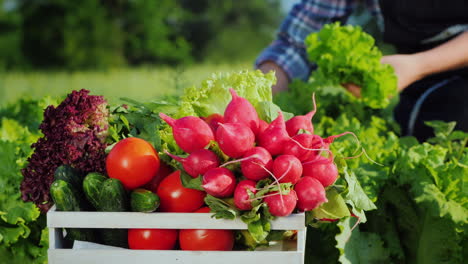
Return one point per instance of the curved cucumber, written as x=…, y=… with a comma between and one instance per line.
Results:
x=113, y=198
x=70, y=175
x=66, y=199
x=92, y=186
x=144, y=201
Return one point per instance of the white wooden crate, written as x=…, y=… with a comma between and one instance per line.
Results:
x=57, y=254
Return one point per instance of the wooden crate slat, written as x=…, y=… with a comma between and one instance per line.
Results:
x=97, y=256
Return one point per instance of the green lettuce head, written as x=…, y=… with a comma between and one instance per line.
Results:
x=212, y=96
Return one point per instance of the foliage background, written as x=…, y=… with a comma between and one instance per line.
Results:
x=92, y=34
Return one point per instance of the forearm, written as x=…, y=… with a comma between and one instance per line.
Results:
x=448, y=56
x=287, y=54
x=282, y=79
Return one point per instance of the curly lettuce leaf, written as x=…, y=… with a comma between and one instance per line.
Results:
x=346, y=54
x=20, y=227
x=212, y=96
x=437, y=179
x=356, y=246
x=335, y=208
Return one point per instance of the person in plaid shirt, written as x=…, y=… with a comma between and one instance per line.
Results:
x=431, y=38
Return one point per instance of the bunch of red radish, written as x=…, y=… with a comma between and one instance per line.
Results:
x=286, y=152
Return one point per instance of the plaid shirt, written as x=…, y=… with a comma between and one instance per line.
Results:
x=288, y=50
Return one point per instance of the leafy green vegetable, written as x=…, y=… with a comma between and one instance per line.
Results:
x=359, y=247
x=356, y=196
x=268, y=111
x=212, y=96
x=258, y=221
x=22, y=228
x=189, y=182
x=345, y=54
x=221, y=208
x=136, y=120
x=335, y=208
x=420, y=192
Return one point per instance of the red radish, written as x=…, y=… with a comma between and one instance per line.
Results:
x=240, y=110
x=296, y=123
x=281, y=205
x=275, y=136
x=322, y=169
x=287, y=168
x=198, y=162
x=310, y=194
x=262, y=125
x=213, y=121
x=304, y=146
x=241, y=196
x=254, y=168
x=235, y=139
x=190, y=133
x=219, y=182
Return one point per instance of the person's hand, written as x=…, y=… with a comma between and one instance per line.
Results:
x=353, y=89
x=282, y=79
x=407, y=69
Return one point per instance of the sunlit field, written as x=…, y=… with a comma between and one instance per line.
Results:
x=140, y=83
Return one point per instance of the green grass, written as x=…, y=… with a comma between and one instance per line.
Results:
x=140, y=83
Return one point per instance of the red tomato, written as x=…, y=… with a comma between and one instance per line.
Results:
x=205, y=209
x=176, y=198
x=206, y=239
x=159, y=239
x=163, y=172
x=133, y=161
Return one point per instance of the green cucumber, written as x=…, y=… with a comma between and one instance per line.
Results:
x=70, y=175
x=66, y=199
x=144, y=201
x=113, y=198
x=92, y=186
x=115, y=237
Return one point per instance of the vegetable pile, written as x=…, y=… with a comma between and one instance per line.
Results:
x=226, y=169
x=254, y=169
x=236, y=160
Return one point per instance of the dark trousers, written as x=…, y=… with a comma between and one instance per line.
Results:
x=440, y=97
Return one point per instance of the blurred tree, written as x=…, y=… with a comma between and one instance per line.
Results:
x=106, y=33
x=10, y=36
x=70, y=34
x=231, y=29
x=152, y=31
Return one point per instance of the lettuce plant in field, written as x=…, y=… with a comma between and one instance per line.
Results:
x=422, y=206
x=23, y=235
